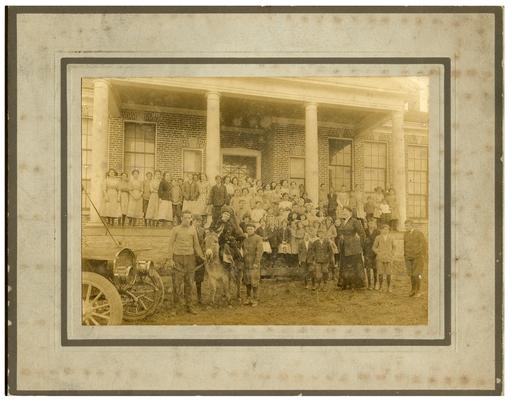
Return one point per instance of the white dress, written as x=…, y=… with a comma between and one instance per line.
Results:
x=202, y=199
x=135, y=203
x=153, y=206
x=111, y=208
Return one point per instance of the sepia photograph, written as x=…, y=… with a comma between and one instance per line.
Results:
x=239, y=201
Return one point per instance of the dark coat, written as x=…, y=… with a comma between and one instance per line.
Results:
x=218, y=195
x=415, y=244
x=252, y=250
x=353, y=236
x=285, y=234
x=273, y=237
x=332, y=202
x=369, y=242
x=320, y=252
x=164, y=190
x=303, y=251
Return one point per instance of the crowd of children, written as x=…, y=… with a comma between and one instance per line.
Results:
x=345, y=237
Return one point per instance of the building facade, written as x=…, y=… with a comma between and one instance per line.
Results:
x=335, y=131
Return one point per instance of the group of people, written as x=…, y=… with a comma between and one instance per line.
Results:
x=345, y=238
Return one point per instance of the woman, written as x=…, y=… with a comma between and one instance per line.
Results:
x=284, y=186
x=203, y=188
x=186, y=193
x=151, y=215
x=267, y=196
x=111, y=209
x=124, y=196
x=135, y=203
x=293, y=191
x=165, y=212
x=229, y=186
x=194, y=194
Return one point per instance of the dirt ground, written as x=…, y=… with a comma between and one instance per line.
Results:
x=289, y=303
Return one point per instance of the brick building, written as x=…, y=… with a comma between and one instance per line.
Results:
x=337, y=131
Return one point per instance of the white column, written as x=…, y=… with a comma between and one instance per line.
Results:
x=311, y=153
x=398, y=165
x=99, y=146
x=212, y=149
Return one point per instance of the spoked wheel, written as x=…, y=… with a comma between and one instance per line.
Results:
x=142, y=298
x=101, y=303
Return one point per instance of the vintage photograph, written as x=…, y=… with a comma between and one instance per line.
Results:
x=255, y=201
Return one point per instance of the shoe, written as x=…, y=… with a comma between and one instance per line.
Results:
x=314, y=287
x=190, y=310
x=247, y=302
x=412, y=293
x=389, y=290
x=370, y=288
x=377, y=286
x=307, y=286
x=419, y=294
x=254, y=303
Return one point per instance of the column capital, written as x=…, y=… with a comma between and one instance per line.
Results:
x=310, y=105
x=213, y=95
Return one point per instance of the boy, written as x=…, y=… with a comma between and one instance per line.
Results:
x=369, y=255
x=320, y=256
x=384, y=248
x=200, y=271
x=415, y=250
x=303, y=247
x=252, y=254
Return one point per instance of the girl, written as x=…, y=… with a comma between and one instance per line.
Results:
x=293, y=191
x=124, y=196
x=273, y=237
x=245, y=195
x=267, y=196
x=151, y=214
x=235, y=200
x=111, y=210
x=229, y=186
x=186, y=193
x=285, y=186
x=194, y=194
x=135, y=203
x=165, y=211
x=385, y=212
x=203, y=189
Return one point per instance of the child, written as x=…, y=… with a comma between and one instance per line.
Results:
x=273, y=237
x=262, y=232
x=294, y=240
x=252, y=254
x=293, y=191
x=244, y=222
x=415, y=251
x=385, y=212
x=303, y=247
x=370, y=208
x=369, y=255
x=331, y=235
x=384, y=248
x=258, y=212
x=285, y=236
x=243, y=209
x=320, y=257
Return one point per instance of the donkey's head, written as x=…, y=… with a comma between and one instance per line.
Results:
x=212, y=247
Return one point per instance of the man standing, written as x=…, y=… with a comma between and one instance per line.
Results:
x=183, y=249
x=252, y=251
x=218, y=198
x=415, y=250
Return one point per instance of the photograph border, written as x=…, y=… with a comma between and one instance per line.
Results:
x=11, y=175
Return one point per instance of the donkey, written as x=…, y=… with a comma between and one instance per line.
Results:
x=218, y=276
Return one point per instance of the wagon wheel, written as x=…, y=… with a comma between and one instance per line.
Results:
x=101, y=303
x=143, y=298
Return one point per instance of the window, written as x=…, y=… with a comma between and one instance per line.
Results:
x=139, y=143
x=340, y=163
x=86, y=133
x=417, y=182
x=192, y=161
x=297, y=170
x=374, y=170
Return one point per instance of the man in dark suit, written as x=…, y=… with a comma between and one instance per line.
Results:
x=415, y=251
x=218, y=198
x=352, y=236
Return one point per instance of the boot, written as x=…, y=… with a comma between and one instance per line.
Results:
x=199, y=292
x=413, y=286
x=418, y=284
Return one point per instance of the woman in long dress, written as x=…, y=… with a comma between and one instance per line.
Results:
x=153, y=207
x=124, y=196
x=203, y=188
x=165, y=212
x=135, y=203
x=111, y=209
x=194, y=194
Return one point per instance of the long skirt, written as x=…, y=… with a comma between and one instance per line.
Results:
x=266, y=247
x=135, y=207
x=201, y=206
x=111, y=208
x=165, y=210
x=351, y=272
x=153, y=207
x=189, y=205
x=124, y=201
